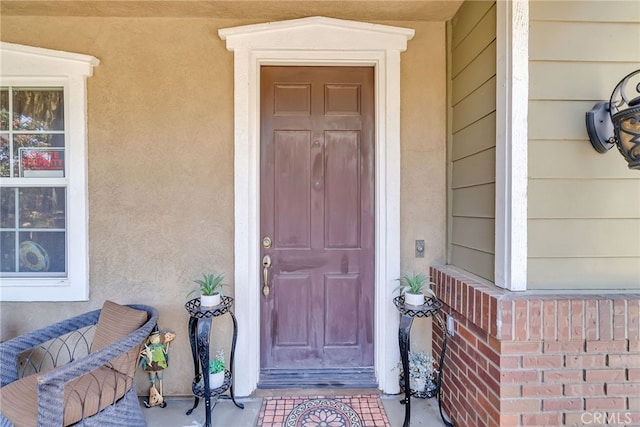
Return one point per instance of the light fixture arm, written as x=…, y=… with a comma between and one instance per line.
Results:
x=600, y=127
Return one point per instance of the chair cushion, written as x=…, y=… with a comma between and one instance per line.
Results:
x=116, y=322
x=83, y=397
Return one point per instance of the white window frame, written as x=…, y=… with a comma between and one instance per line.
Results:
x=37, y=67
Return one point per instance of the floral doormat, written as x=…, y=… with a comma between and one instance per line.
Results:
x=321, y=411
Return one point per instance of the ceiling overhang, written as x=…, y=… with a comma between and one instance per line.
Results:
x=258, y=11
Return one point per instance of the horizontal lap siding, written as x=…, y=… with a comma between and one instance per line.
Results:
x=583, y=207
x=576, y=238
x=472, y=149
x=474, y=233
x=476, y=137
x=586, y=272
x=589, y=11
x=583, y=41
x=583, y=163
x=476, y=201
x=481, y=70
x=599, y=202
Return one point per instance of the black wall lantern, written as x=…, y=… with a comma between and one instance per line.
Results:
x=617, y=122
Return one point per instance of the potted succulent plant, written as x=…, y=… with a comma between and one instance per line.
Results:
x=414, y=287
x=216, y=370
x=210, y=288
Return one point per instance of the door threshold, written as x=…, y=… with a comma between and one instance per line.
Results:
x=313, y=392
x=317, y=378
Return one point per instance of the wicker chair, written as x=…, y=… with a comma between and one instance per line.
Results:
x=76, y=372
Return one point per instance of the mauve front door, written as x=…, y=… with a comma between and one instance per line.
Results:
x=317, y=225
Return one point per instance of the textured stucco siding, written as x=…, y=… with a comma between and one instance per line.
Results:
x=160, y=164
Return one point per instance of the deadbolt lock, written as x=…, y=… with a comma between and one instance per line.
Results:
x=266, y=242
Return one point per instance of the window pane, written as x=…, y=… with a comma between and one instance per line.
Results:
x=8, y=251
x=42, y=207
x=5, y=170
x=39, y=110
x=4, y=109
x=33, y=220
x=8, y=207
x=39, y=155
x=42, y=252
x=36, y=242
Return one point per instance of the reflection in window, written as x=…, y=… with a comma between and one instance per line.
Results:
x=37, y=124
x=38, y=109
x=33, y=230
x=32, y=219
x=4, y=132
x=4, y=109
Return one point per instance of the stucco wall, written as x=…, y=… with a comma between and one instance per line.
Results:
x=583, y=207
x=423, y=118
x=160, y=112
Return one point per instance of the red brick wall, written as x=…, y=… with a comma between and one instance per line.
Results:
x=533, y=359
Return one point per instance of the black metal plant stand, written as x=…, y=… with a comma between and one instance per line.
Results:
x=200, y=322
x=407, y=312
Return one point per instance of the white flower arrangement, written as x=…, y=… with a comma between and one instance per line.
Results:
x=422, y=370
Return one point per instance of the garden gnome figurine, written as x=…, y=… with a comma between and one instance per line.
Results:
x=155, y=359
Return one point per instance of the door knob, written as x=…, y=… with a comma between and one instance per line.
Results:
x=266, y=264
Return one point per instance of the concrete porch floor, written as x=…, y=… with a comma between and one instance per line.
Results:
x=424, y=412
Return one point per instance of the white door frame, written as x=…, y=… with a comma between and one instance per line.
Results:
x=315, y=41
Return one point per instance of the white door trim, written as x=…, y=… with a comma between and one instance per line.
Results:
x=315, y=41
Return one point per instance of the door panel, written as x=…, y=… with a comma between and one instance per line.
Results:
x=290, y=320
x=342, y=192
x=342, y=296
x=317, y=181
x=291, y=174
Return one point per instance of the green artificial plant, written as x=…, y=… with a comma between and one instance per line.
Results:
x=415, y=284
x=209, y=284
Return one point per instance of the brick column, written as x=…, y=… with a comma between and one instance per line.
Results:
x=533, y=359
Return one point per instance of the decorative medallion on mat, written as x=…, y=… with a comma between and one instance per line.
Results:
x=321, y=411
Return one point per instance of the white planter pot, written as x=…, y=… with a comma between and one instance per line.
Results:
x=210, y=300
x=413, y=299
x=216, y=380
x=418, y=384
